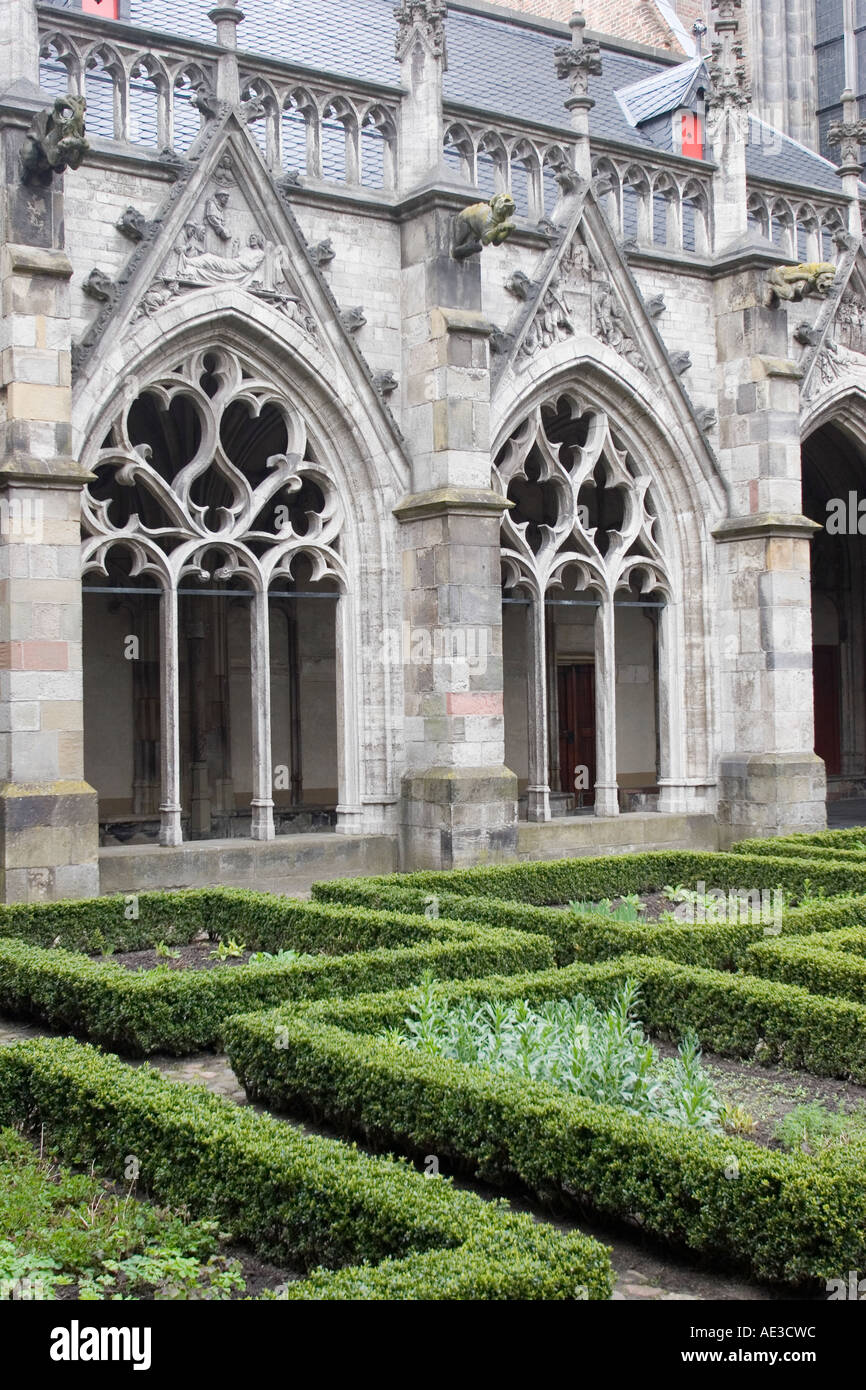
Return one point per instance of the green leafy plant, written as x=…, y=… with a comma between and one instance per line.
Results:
x=814, y=1126
x=736, y=1119
x=274, y=957
x=228, y=950
x=602, y=1054
x=628, y=909
x=60, y=1228
x=166, y=952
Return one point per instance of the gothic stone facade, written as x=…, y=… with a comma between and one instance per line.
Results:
x=334, y=540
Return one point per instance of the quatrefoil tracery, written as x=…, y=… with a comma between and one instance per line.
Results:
x=571, y=462
x=212, y=483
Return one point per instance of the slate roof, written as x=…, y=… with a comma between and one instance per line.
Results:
x=493, y=64
x=665, y=90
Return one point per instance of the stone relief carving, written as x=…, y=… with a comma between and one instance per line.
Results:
x=612, y=327
x=552, y=321
x=519, y=285
x=215, y=214
x=354, y=318
x=707, y=418
x=806, y=334
x=385, y=383
x=55, y=141
x=656, y=306
x=851, y=321
x=482, y=224
x=132, y=224
x=323, y=252
x=793, y=283
x=501, y=342
x=260, y=267
x=681, y=362
x=98, y=285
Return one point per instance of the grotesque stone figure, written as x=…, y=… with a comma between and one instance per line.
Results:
x=55, y=141
x=795, y=282
x=482, y=224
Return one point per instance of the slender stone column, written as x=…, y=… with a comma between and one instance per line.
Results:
x=260, y=693
x=577, y=62
x=170, y=832
x=538, y=790
x=848, y=136
x=606, y=789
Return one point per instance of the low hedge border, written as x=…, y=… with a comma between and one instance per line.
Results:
x=734, y=1015
x=559, y=881
x=852, y=838
x=263, y=921
x=592, y=937
x=783, y=1216
x=182, y=1011
x=829, y=967
x=784, y=849
x=296, y=1199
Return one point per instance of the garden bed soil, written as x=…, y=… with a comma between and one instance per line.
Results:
x=196, y=956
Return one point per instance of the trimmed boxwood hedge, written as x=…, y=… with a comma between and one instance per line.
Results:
x=592, y=937
x=559, y=881
x=784, y=1216
x=785, y=849
x=831, y=966
x=262, y=921
x=296, y=1199
x=852, y=838
x=181, y=1011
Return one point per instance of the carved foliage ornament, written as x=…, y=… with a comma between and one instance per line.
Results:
x=206, y=505
x=55, y=141
x=421, y=21
x=579, y=60
x=569, y=474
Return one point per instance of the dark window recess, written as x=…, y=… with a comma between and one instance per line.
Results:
x=830, y=19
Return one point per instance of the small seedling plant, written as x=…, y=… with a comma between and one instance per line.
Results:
x=628, y=909
x=228, y=950
x=602, y=1054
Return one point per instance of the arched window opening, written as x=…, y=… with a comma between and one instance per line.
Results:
x=213, y=570
x=459, y=153
x=378, y=140
x=145, y=118
x=585, y=589
x=186, y=117
x=103, y=88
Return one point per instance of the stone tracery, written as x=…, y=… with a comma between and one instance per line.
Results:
x=217, y=510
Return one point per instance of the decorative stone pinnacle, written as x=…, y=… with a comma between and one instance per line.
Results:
x=226, y=17
x=578, y=61
x=729, y=73
x=424, y=21
x=848, y=134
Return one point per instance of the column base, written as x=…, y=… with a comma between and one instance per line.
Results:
x=457, y=817
x=538, y=803
x=49, y=841
x=606, y=799
x=262, y=820
x=764, y=794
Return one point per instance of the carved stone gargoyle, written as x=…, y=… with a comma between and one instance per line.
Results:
x=55, y=141
x=793, y=283
x=482, y=224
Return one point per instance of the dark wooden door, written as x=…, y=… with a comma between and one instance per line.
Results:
x=577, y=729
x=827, y=682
